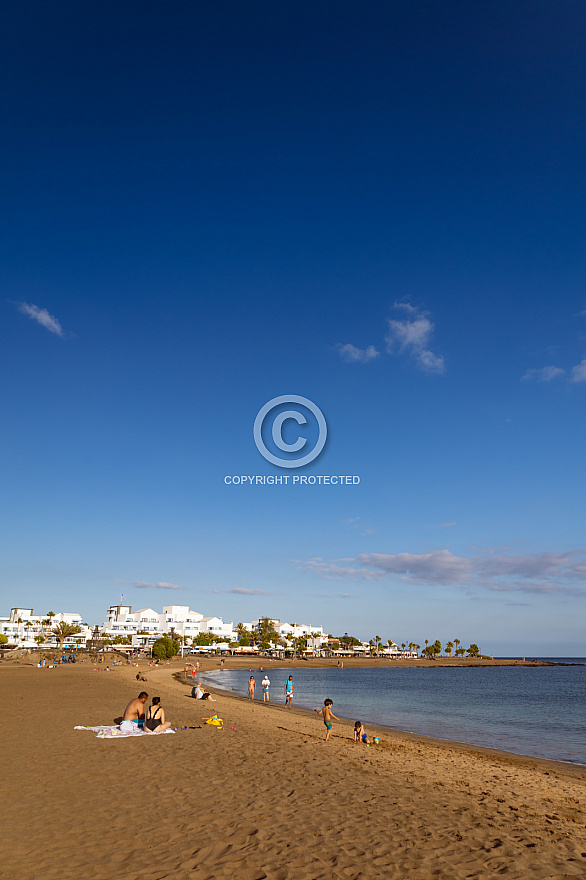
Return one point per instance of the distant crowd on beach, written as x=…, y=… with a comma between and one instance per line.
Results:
x=138, y=717
x=152, y=720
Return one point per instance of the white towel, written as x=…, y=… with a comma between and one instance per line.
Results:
x=118, y=730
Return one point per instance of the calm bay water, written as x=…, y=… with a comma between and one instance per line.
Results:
x=539, y=711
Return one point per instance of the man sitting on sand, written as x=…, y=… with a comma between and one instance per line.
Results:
x=134, y=713
x=199, y=693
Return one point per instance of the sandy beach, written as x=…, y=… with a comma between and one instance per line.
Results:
x=265, y=797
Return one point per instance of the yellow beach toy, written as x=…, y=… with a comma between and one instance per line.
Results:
x=216, y=722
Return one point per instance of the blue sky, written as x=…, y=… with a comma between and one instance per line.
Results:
x=377, y=206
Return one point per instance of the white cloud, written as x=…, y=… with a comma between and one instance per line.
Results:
x=336, y=572
x=406, y=306
x=336, y=595
x=353, y=355
x=544, y=374
x=579, y=372
x=540, y=573
x=42, y=317
x=411, y=336
x=240, y=591
x=147, y=585
x=440, y=566
x=527, y=566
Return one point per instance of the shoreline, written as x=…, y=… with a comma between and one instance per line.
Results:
x=381, y=728
x=385, y=730
x=265, y=797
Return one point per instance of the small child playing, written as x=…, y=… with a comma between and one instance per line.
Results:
x=328, y=715
x=360, y=733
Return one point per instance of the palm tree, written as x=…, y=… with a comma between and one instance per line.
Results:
x=457, y=644
x=64, y=631
x=449, y=647
x=378, y=641
x=313, y=636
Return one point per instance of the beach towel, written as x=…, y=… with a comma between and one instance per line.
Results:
x=106, y=731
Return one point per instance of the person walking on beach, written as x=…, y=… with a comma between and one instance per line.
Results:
x=265, y=689
x=288, y=690
x=328, y=715
x=251, y=687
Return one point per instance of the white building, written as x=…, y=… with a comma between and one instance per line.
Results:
x=289, y=631
x=147, y=624
x=217, y=627
x=25, y=629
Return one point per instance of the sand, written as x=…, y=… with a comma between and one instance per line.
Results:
x=268, y=799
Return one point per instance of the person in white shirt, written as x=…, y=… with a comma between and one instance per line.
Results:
x=265, y=683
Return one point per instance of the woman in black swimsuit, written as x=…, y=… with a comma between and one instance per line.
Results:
x=155, y=717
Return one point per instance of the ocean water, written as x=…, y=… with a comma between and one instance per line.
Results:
x=538, y=711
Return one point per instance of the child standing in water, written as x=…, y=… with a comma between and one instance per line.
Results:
x=328, y=715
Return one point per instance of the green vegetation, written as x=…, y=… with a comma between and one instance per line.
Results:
x=267, y=635
x=3, y=639
x=64, y=631
x=244, y=636
x=206, y=639
x=122, y=640
x=348, y=642
x=165, y=648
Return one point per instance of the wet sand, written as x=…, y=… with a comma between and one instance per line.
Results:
x=267, y=799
